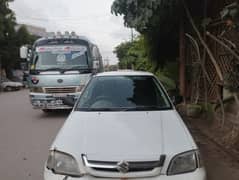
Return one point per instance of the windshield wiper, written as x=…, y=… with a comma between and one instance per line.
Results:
x=81, y=69
x=99, y=109
x=53, y=69
x=137, y=108
x=146, y=108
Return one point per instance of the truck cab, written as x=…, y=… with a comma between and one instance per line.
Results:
x=60, y=66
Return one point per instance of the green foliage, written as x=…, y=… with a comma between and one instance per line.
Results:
x=7, y=20
x=157, y=21
x=169, y=83
x=137, y=14
x=231, y=12
x=11, y=40
x=7, y=34
x=132, y=55
x=112, y=68
x=23, y=36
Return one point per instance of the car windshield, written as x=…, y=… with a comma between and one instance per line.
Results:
x=123, y=93
x=60, y=57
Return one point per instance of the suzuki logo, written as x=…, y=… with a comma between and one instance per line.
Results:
x=123, y=166
x=60, y=80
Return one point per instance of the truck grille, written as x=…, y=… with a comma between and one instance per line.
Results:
x=54, y=90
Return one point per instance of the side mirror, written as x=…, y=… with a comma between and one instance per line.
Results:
x=177, y=100
x=96, y=64
x=29, y=55
x=24, y=66
x=24, y=52
x=69, y=101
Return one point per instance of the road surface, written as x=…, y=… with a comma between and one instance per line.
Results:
x=26, y=134
x=25, y=137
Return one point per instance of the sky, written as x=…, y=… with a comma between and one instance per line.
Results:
x=90, y=18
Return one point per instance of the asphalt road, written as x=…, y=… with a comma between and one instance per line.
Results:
x=25, y=136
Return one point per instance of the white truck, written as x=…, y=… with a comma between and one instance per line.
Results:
x=60, y=66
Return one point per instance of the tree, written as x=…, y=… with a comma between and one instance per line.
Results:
x=23, y=36
x=157, y=21
x=10, y=39
x=7, y=34
x=7, y=20
x=132, y=55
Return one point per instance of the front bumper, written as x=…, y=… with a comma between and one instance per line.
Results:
x=49, y=101
x=199, y=174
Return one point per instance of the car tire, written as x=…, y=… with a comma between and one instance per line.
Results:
x=47, y=110
x=8, y=88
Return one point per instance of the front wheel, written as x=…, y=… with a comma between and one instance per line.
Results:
x=8, y=88
x=47, y=110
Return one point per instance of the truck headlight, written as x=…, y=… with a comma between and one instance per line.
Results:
x=80, y=88
x=184, y=163
x=36, y=89
x=62, y=163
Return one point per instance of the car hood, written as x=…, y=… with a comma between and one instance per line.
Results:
x=113, y=136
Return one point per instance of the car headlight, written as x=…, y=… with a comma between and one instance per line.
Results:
x=62, y=163
x=184, y=163
x=36, y=89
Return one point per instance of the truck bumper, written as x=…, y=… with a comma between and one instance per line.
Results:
x=199, y=174
x=49, y=101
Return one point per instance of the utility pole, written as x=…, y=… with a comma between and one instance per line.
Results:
x=106, y=62
x=132, y=35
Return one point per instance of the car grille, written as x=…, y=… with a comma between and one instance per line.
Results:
x=133, y=166
x=117, y=169
x=55, y=90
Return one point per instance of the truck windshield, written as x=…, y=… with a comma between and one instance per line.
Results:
x=60, y=57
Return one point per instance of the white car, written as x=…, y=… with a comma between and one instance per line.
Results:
x=8, y=85
x=124, y=126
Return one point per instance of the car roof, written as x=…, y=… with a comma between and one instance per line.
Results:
x=125, y=73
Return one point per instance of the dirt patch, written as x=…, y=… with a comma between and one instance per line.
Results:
x=224, y=131
x=221, y=162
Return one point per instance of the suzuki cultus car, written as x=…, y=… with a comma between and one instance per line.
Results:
x=124, y=126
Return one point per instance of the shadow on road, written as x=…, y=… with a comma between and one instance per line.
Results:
x=54, y=114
